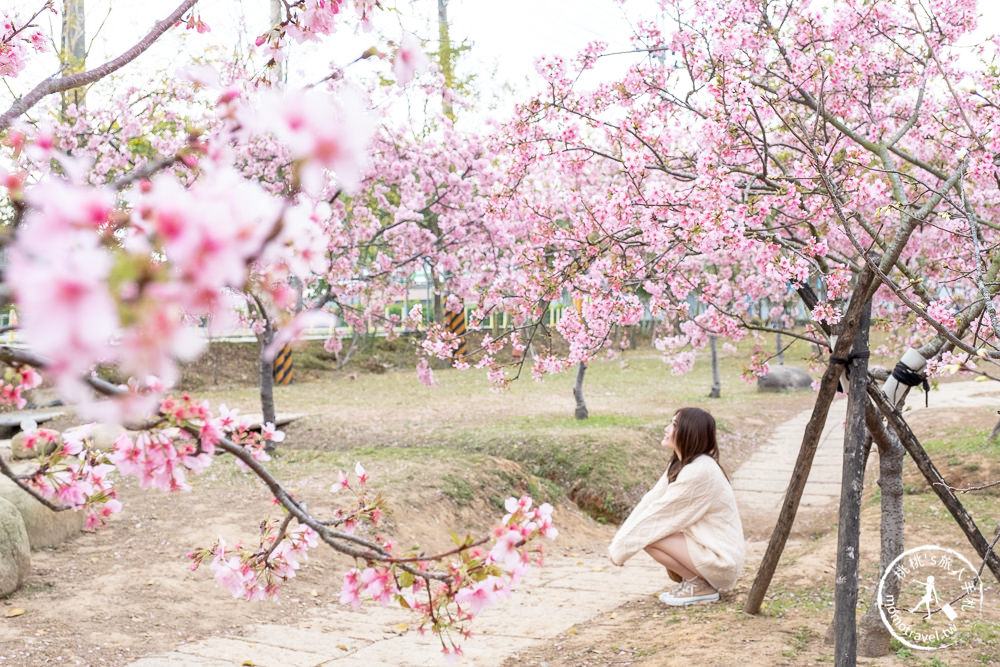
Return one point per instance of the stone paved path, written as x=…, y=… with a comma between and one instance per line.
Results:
x=574, y=587
x=760, y=483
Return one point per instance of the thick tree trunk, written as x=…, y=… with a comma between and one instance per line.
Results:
x=74, y=47
x=266, y=379
x=873, y=636
x=852, y=483
x=446, y=58
x=810, y=440
x=280, y=68
x=716, y=391
x=581, y=405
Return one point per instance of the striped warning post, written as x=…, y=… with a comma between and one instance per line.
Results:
x=456, y=325
x=283, y=371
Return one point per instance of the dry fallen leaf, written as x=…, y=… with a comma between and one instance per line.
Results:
x=314, y=593
x=247, y=663
x=342, y=647
x=11, y=613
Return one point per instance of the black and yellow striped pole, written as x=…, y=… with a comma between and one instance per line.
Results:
x=283, y=371
x=456, y=325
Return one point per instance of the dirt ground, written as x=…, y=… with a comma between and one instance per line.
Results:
x=125, y=592
x=794, y=625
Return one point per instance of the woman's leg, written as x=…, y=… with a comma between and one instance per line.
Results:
x=672, y=553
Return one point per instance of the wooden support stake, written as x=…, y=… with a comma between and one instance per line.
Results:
x=852, y=480
x=933, y=477
x=810, y=440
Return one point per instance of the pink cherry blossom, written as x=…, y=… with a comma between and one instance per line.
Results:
x=410, y=60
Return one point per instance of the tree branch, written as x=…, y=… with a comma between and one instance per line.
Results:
x=57, y=84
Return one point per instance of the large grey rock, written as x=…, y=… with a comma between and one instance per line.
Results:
x=19, y=451
x=784, y=378
x=10, y=422
x=103, y=436
x=44, y=527
x=15, y=557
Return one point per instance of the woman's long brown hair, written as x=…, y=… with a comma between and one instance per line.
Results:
x=694, y=435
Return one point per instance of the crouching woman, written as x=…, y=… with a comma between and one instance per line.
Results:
x=688, y=522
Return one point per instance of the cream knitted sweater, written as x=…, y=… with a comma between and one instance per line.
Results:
x=700, y=504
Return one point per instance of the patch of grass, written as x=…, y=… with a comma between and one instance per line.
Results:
x=988, y=658
x=902, y=652
x=460, y=490
x=803, y=637
x=604, y=463
x=782, y=601
x=602, y=476
x=32, y=589
x=963, y=440
x=988, y=633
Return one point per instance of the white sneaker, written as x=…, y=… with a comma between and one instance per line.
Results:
x=690, y=591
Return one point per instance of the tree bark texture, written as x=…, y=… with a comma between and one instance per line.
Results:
x=873, y=636
x=851, y=485
x=581, y=405
x=446, y=58
x=810, y=440
x=73, y=55
x=266, y=379
x=280, y=67
x=716, y=391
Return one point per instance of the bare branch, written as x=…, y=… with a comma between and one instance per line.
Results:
x=58, y=84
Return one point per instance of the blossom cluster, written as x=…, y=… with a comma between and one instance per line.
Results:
x=69, y=470
x=123, y=274
x=164, y=457
x=17, y=380
x=478, y=576
x=17, y=42
x=258, y=574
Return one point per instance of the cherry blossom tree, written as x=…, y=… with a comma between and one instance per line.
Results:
x=838, y=153
x=129, y=222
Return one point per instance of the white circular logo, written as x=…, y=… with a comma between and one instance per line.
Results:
x=927, y=594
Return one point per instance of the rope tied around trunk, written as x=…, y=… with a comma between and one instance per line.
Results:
x=911, y=378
